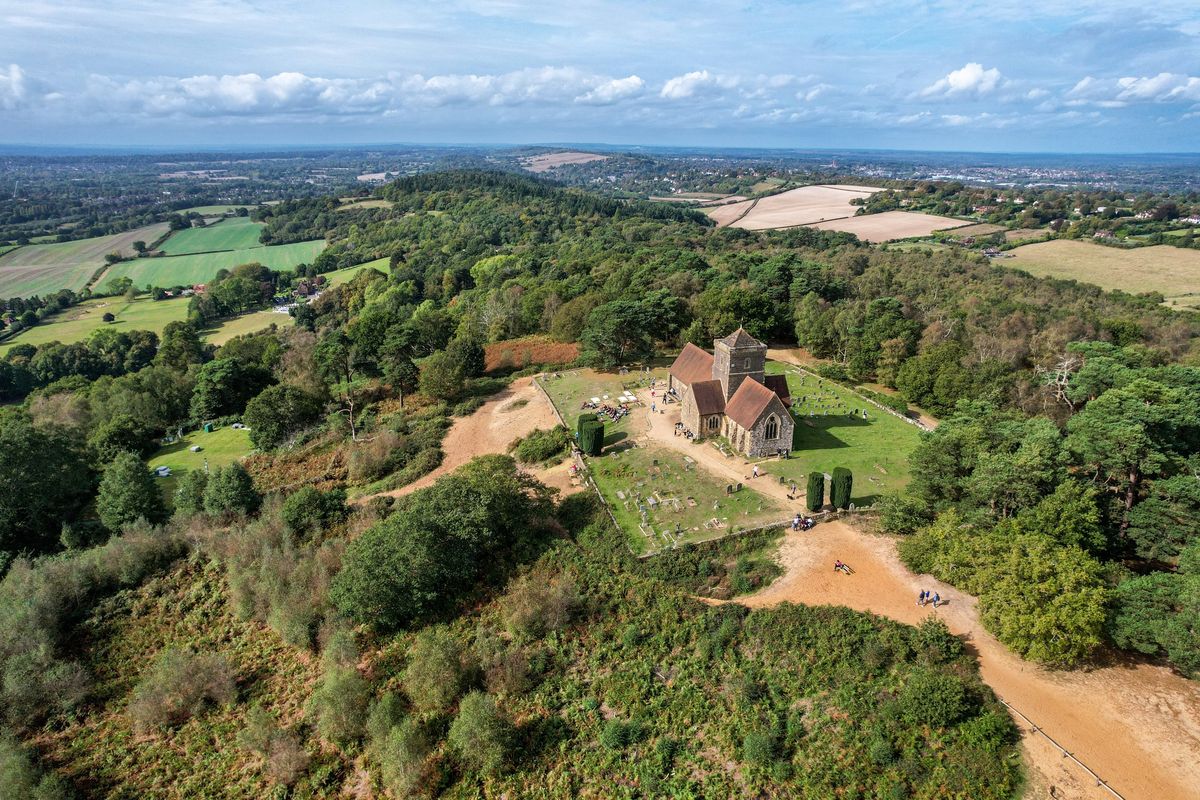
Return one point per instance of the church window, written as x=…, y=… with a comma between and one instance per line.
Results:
x=772, y=428
x=713, y=423
x=747, y=364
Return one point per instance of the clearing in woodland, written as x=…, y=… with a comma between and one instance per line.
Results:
x=43, y=269
x=803, y=206
x=891, y=225
x=1173, y=271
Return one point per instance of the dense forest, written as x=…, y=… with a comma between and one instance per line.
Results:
x=481, y=635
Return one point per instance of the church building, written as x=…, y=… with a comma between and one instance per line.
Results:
x=725, y=393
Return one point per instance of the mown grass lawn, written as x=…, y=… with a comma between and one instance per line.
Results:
x=568, y=391
x=217, y=449
x=829, y=434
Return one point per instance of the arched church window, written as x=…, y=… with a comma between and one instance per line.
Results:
x=713, y=423
x=772, y=427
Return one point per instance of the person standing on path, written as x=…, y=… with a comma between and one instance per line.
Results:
x=754, y=472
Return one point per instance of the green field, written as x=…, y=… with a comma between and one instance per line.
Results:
x=235, y=233
x=246, y=323
x=143, y=314
x=210, y=210
x=875, y=449
x=338, y=277
x=43, y=269
x=570, y=389
x=78, y=323
x=203, y=267
x=222, y=446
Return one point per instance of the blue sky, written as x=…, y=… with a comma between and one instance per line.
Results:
x=960, y=74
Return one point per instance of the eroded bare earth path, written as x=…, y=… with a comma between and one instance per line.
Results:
x=1137, y=726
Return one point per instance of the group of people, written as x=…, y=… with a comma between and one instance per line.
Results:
x=684, y=431
x=928, y=597
x=611, y=413
x=802, y=523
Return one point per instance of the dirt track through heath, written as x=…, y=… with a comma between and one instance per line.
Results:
x=511, y=413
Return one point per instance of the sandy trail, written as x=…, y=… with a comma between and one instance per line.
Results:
x=511, y=413
x=1137, y=726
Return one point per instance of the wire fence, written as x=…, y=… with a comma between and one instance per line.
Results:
x=1035, y=728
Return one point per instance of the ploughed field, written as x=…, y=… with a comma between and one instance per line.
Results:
x=803, y=206
x=42, y=269
x=891, y=225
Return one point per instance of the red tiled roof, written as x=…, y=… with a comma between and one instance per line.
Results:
x=749, y=402
x=740, y=339
x=778, y=385
x=710, y=397
x=692, y=365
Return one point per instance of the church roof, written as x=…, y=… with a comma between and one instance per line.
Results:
x=692, y=365
x=778, y=385
x=710, y=397
x=749, y=402
x=741, y=339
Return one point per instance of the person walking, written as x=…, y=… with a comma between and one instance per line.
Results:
x=921, y=598
x=937, y=598
x=754, y=472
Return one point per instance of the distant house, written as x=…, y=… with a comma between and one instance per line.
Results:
x=199, y=288
x=1143, y=215
x=1102, y=235
x=1194, y=219
x=726, y=393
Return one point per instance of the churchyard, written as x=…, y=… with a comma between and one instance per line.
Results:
x=663, y=497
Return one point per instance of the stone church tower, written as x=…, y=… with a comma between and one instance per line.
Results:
x=736, y=357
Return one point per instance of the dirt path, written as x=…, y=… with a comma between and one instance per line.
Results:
x=1137, y=726
x=511, y=413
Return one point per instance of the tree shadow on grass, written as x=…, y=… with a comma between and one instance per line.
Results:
x=615, y=437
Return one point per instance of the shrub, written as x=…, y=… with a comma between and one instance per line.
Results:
x=542, y=445
x=903, y=514
x=189, y=493
x=128, y=493
x=231, y=491
x=617, y=734
x=283, y=756
x=20, y=777
x=934, y=640
x=338, y=706
x=277, y=413
x=178, y=686
x=308, y=510
x=436, y=671
x=402, y=756
x=481, y=736
x=840, y=488
x=591, y=438
x=816, y=491
x=535, y=606
x=936, y=699
x=587, y=416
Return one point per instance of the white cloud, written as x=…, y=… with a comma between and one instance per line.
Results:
x=613, y=91
x=688, y=85
x=1165, y=87
x=971, y=80
x=13, y=88
x=812, y=94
